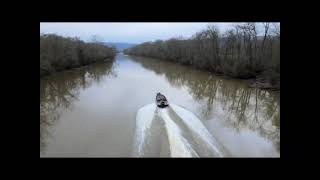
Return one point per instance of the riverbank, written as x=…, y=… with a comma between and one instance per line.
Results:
x=58, y=53
x=76, y=68
x=239, y=52
x=260, y=81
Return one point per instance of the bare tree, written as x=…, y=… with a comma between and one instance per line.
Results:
x=58, y=53
x=276, y=30
x=238, y=52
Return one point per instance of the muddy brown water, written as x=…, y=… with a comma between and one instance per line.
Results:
x=91, y=111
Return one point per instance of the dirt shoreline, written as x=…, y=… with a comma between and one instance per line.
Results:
x=264, y=84
x=75, y=68
x=253, y=82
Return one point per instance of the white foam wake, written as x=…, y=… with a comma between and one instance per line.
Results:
x=172, y=132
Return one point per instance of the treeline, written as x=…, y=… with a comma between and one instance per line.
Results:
x=58, y=53
x=239, y=52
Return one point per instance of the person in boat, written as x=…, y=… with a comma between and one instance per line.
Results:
x=161, y=100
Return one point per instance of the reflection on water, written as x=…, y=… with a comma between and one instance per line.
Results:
x=59, y=91
x=242, y=107
x=91, y=111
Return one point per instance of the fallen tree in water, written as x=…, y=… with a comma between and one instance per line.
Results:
x=59, y=53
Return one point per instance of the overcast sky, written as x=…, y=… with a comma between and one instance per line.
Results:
x=127, y=32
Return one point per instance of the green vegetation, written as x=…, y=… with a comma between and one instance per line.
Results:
x=239, y=52
x=59, y=53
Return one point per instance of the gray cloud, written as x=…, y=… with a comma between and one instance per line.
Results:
x=127, y=32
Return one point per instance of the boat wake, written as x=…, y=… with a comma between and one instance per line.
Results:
x=172, y=132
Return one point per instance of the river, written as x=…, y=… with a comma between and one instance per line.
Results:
x=91, y=111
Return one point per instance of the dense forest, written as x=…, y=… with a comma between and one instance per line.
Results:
x=239, y=52
x=59, y=53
